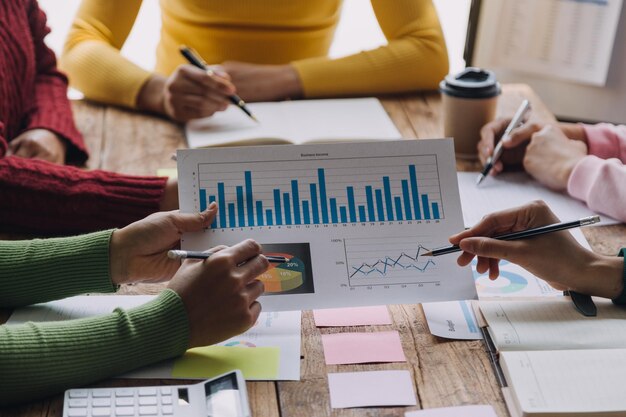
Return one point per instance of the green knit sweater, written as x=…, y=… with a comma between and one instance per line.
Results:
x=39, y=359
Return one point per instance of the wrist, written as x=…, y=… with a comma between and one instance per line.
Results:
x=118, y=265
x=151, y=96
x=603, y=276
x=290, y=82
x=574, y=131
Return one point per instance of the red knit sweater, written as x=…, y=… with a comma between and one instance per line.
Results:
x=41, y=197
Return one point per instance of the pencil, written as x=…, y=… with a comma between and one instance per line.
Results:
x=183, y=254
x=523, y=234
x=196, y=60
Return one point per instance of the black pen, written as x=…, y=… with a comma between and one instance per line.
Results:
x=184, y=254
x=523, y=234
x=195, y=59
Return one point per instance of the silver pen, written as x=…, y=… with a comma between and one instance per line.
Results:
x=517, y=120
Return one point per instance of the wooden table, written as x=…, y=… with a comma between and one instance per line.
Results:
x=445, y=372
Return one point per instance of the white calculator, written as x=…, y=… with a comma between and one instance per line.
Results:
x=223, y=396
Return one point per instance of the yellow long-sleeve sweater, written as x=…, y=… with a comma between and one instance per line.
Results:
x=258, y=31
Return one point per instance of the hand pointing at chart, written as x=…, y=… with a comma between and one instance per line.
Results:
x=555, y=257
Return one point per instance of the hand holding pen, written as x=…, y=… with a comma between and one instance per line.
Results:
x=555, y=257
x=196, y=60
x=516, y=121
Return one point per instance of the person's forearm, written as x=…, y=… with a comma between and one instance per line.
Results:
x=38, y=270
x=75, y=200
x=150, y=97
x=40, y=359
x=573, y=131
x=603, y=277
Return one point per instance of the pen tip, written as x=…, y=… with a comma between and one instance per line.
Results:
x=174, y=254
x=254, y=118
x=429, y=253
x=480, y=179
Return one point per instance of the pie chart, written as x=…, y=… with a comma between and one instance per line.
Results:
x=283, y=277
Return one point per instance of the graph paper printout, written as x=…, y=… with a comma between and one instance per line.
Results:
x=352, y=219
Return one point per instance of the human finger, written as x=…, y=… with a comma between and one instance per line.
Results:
x=522, y=134
x=494, y=268
x=255, y=289
x=25, y=148
x=207, y=79
x=243, y=251
x=482, y=265
x=254, y=267
x=485, y=247
x=193, y=222
x=465, y=258
x=255, y=311
x=488, y=135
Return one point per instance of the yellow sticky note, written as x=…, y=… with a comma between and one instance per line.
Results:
x=210, y=361
x=167, y=172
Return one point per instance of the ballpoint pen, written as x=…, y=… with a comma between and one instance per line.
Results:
x=196, y=60
x=497, y=152
x=184, y=254
x=585, y=221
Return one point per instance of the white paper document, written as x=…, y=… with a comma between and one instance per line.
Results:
x=566, y=39
x=352, y=219
x=452, y=320
x=460, y=411
x=294, y=122
x=515, y=189
x=277, y=329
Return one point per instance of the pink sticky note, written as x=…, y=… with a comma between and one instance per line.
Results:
x=371, y=389
x=343, y=348
x=353, y=316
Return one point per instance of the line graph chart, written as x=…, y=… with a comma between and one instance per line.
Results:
x=388, y=261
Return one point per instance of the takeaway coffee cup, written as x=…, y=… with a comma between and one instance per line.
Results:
x=469, y=102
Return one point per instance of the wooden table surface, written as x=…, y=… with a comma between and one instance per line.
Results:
x=445, y=372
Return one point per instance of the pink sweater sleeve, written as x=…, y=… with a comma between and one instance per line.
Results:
x=599, y=179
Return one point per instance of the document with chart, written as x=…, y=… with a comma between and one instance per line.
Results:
x=567, y=39
x=352, y=219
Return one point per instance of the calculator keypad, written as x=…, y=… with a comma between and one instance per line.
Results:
x=120, y=402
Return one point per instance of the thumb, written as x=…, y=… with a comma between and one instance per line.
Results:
x=193, y=222
x=489, y=248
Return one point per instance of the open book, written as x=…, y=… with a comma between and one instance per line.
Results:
x=558, y=362
x=297, y=122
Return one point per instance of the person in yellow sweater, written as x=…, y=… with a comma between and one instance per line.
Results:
x=265, y=50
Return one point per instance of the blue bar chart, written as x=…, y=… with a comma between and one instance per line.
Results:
x=348, y=190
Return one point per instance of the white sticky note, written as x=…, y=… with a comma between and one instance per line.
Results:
x=462, y=411
x=371, y=389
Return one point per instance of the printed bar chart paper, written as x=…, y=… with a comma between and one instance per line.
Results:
x=352, y=219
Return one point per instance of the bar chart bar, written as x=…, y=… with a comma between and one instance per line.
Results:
x=240, y=212
x=305, y=212
x=249, y=198
x=296, y=202
x=314, y=208
x=268, y=217
x=398, y=204
x=426, y=207
x=321, y=178
x=202, y=200
x=214, y=222
x=277, y=208
x=221, y=198
x=370, y=203
x=287, y=205
x=333, y=210
x=379, y=205
x=259, y=213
